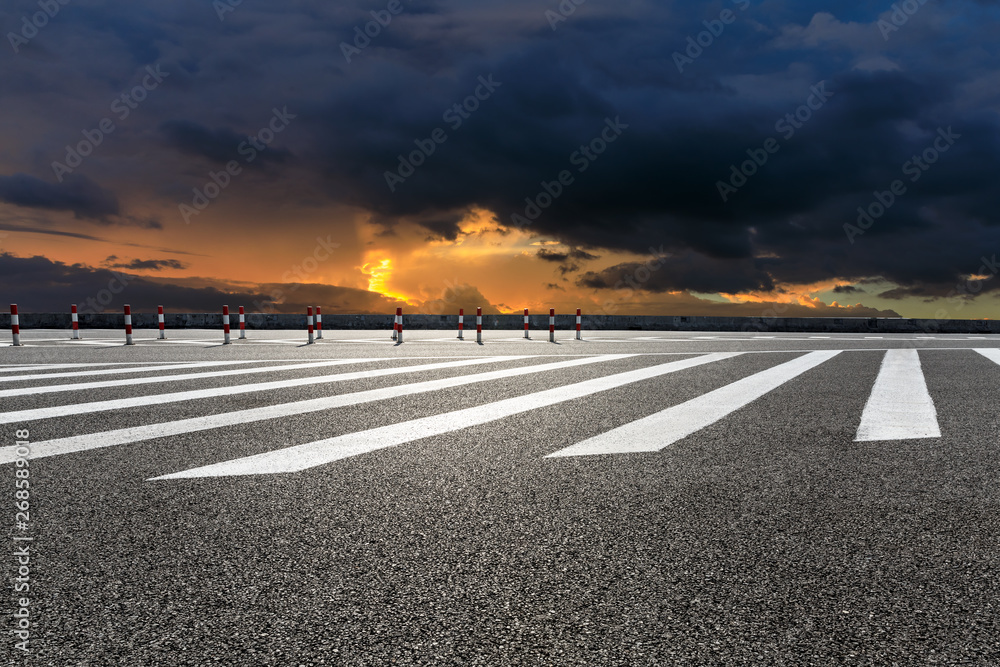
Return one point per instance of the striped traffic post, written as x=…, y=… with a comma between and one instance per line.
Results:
x=75, y=318
x=526, y=323
x=552, y=325
x=319, y=323
x=243, y=324
x=128, y=325
x=159, y=323
x=225, y=325
x=395, y=323
x=15, y=325
x=579, y=319
x=479, y=325
x=309, y=322
x=461, y=322
x=399, y=325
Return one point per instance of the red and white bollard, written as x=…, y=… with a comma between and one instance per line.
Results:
x=75, y=317
x=552, y=325
x=461, y=322
x=15, y=325
x=225, y=325
x=479, y=325
x=309, y=322
x=319, y=323
x=395, y=323
x=159, y=323
x=399, y=325
x=128, y=325
x=579, y=320
x=526, y=323
x=243, y=324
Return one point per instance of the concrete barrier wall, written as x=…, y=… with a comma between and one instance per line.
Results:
x=516, y=322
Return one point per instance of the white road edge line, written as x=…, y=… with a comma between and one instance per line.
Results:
x=899, y=406
x=653, y=433
x=320, y=452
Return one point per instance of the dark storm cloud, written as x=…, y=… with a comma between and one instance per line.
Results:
x=657, y=184
x=76, y=193
x=685, y=272
x=847, y=289
x=219, y=145
x=146, y=264
x=555, y=91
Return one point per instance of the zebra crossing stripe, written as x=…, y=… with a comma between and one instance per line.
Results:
x=41, y=449
x=899, y=407
x=666, y=427
x=79, y=386
x=117, y=371
x=309, y=455
x=158, y=399
x=991, y=353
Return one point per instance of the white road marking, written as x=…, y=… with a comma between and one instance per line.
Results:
x=42, y=367
x=666, y=427
x=991, y=353
x=899, y=407
x=157, y=399
x=123, y=436
x=101, y=384
x=301, y=457
x=116, y=371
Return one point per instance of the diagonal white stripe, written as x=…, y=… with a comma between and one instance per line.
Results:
x=158, y=399
x=116, y=371
x=899, y=407
x=666, y=427
x=90, y=441
x=102, y=384
x=301, y=457
x=991, y=353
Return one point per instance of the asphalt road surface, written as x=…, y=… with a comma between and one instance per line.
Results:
x=633, y=498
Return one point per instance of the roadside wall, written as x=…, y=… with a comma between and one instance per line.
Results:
x=516, y=322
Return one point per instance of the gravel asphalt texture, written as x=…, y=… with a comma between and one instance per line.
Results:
x=768, y=538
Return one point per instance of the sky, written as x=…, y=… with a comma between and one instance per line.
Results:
x=739, y=157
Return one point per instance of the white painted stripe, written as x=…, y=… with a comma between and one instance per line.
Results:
x=158, y=399
x=991, y=353
x=666, y=427
x=899, y=407
x=116, y=371
x=102, y=384
x=42, y=367
x=309, y=455
x=123, y=436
